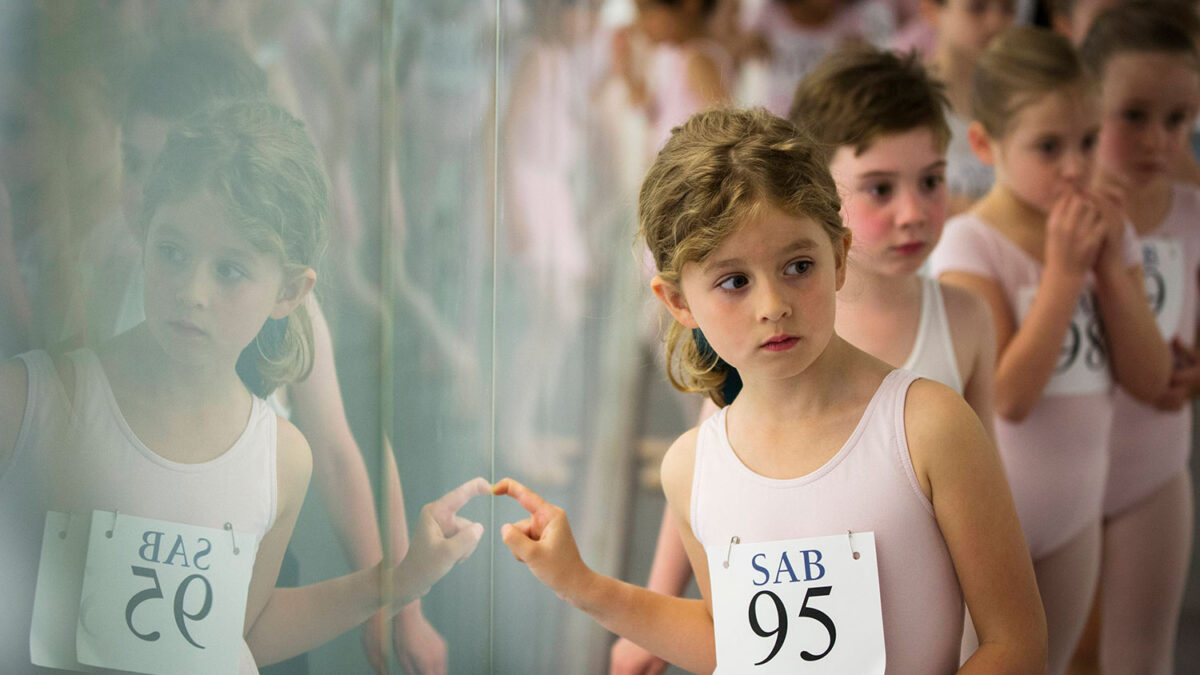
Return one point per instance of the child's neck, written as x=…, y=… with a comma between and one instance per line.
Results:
x=1148, y=207
x=1019, y=221
x=180, y=386
x=872, y=291
x=954, y=72
x=769, y=404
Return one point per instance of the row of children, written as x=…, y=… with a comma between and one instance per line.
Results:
x=1065, y=312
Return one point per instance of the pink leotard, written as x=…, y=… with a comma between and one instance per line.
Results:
x=1055, y=458
x=1150, y=446
x=869, y=485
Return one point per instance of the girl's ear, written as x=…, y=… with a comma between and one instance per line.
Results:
x=840, y=257
x=672, y=297
x=293, y=292
x=981, y=143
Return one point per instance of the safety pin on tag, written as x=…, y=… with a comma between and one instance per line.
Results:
x=232, y=537
x=113, y=528
x=732, y=540
x=62, y=534
x=850, y=540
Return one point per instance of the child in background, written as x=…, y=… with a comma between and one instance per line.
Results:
x=167, y=420
x=796, y=34
x=1149, y=73
x=1062, y=275
x=742, y=218
x=1073, y=18
x=687, y=71
x=884, y=117
x=964, y=29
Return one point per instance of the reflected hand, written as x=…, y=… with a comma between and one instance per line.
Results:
x=419, y=648
x=629, y=659
x=373, y=636
x=543, y=541
x=441, y=539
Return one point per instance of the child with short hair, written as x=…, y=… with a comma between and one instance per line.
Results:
x=1062, y=276
x=742, y=218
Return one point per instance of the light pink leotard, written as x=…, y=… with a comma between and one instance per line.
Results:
x=1150, y=446
x=1055, y=458
x=869, y=485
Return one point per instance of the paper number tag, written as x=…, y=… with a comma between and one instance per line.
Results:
x=162, y=597
x=1162, y=264
x=1083, y=360
x=798, y=606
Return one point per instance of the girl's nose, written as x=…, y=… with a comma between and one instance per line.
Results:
x=773, y=305
x=194, y=289
x=910, y=209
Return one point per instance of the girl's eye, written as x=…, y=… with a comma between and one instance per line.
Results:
x=1176, y=118
x=1134, y=115
x=798, y=267
x=170, y=252
x=1049, y=147
x=1089, y=142
x=230, y=272
x=734, y=282
x=880, y=190
x=932, y=182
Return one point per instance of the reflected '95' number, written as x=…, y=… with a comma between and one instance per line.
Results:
x=180, y=613
x=781, y=625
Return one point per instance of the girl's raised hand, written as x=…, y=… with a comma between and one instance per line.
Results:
x=1109, y=196
x=543, y=541
x=440, y=539
x=1075, y=231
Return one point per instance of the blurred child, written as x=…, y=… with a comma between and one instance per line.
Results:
x=964, y=29
x=1149, y=73
x=1062, y=275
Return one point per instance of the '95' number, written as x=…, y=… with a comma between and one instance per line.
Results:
x=781, y=625
x=180, y=613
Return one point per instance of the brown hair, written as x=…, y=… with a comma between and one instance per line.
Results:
x=258, y=160
x=715, y=172
x=1162, y=26
x=1021, y=65
x=857, y=94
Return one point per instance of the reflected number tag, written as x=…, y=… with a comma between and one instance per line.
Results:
x=798, y=606
x=1082, y=366
x=163, y=597
x=1162, y=264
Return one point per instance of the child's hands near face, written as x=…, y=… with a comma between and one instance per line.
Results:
x=1075, y=231
x=440, y=539
x=543, y=541
x=1109, y=196
x=1185, y=378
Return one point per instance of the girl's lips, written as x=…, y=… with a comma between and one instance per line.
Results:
x=187, y=328
x=780, y=344
x=910, y=249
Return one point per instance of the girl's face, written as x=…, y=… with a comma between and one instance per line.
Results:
x=1148, y=102
x=208, y=289
x=765, y=297
x=1049, y=148
x=967, y=26
x=893, y=200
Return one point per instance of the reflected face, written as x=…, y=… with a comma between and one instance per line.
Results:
x=208, y=290
x=1148, y=102
x=765, y=297
x=142, y=139
x=967, y=26
x=1049, y=148
x=893, y=200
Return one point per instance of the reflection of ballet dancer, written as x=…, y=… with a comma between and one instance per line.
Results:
x=544, y=239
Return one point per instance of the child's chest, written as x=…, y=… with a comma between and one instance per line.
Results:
x=795, y=450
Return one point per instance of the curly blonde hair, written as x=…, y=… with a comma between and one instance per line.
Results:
x=259, y=161
x=716, y=172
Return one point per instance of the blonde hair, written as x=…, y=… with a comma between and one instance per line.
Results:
x=258, y=160
x=859, y=93
x=1162, y=26
x=715, y=172
x=1019, y=66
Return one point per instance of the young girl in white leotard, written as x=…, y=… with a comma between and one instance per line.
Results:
x=742, y=218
